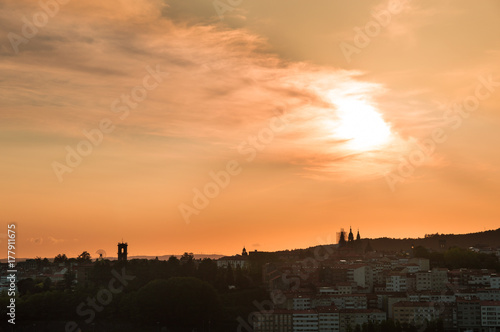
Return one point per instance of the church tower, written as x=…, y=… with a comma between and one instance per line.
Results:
x=358, y=237
x=244, y=252
x=122, y=251
x=351, y=236
x=341, y=238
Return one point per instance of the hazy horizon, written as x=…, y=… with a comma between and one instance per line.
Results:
x=321, y=241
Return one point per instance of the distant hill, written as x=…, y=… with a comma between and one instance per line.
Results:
x=431, y=241
x=481, y=239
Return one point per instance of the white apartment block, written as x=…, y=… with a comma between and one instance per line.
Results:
x=490, y=315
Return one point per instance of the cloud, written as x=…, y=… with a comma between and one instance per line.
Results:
x=54, y=240
x=37, y=240
x=223, y=85
x=196, y=12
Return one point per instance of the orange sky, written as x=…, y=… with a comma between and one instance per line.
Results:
x=313, y=114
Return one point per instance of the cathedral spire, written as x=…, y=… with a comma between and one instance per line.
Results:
x=351, y=236
x=342, y=238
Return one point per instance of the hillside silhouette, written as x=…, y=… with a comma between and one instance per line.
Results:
x=484, y=239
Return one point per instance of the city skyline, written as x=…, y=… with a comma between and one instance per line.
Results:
x=103, y=254
x=187, y=125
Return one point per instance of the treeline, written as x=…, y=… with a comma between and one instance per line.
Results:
x=455, y=258
x=178, y=294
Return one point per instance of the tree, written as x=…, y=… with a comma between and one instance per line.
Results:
x=60, y=259
x=421, y=252
x=207, y=270
x=173, y=269
x=187, y=257
x=187, y=265
x=84, y=257
x=45, y=262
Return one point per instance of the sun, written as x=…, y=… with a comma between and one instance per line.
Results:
x=361, y=125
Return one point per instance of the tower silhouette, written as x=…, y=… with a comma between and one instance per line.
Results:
x=122, y=251
x=341, y=236
x=351, y=236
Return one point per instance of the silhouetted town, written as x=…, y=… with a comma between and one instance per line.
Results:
x=348, y=286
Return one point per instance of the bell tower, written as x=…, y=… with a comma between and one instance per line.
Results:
x=122, y=251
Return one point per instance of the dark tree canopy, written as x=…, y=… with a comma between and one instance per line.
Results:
x=61, y=258
x=178, y=301
x=84, y=257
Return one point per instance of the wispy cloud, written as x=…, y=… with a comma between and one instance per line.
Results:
x=36, y=240
x=223, y=84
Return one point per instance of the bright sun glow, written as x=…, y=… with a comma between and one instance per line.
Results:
x=361, y=124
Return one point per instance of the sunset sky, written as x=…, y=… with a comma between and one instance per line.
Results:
x=380, y=115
